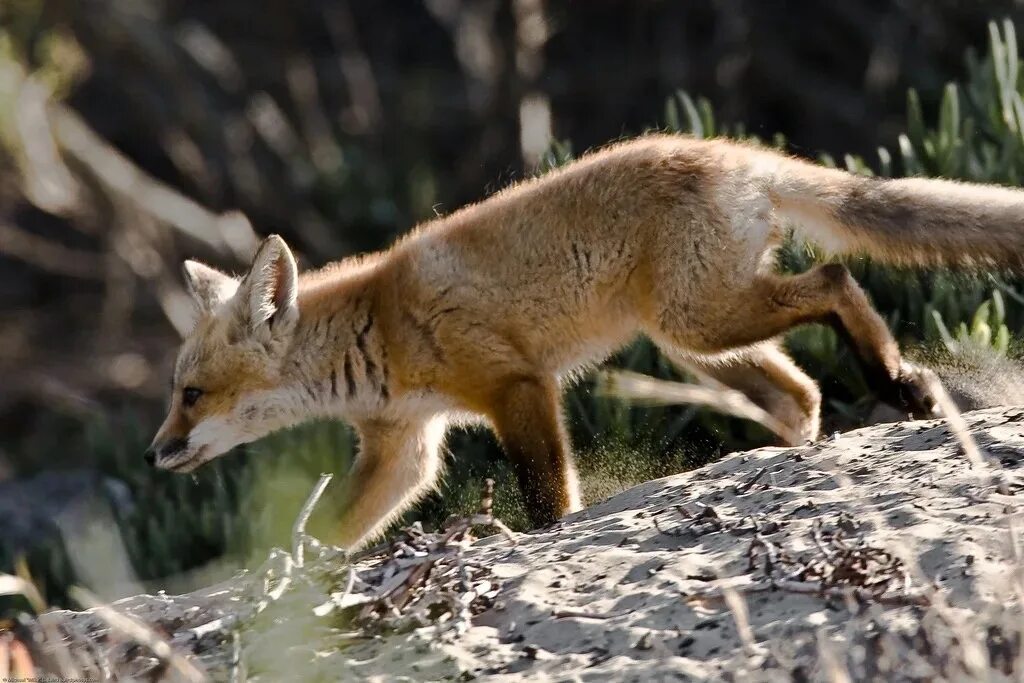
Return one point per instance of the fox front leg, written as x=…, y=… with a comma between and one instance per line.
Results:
x=397, y=463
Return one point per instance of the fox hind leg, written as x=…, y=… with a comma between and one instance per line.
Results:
x=526, y=415
x=895, y=380
x=772, y=304
x=770, y=379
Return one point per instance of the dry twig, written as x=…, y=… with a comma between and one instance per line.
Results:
x=843, y=569
x=299, y=527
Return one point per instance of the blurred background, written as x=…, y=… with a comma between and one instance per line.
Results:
x=135, y=133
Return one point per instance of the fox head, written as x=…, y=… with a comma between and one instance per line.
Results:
x=227, y=388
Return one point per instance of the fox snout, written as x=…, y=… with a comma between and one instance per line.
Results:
x=161, y=450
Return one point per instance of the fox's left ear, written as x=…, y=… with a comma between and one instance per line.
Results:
x=208, y=286
x=268, y=294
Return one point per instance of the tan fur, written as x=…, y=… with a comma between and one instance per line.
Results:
x=480, y=314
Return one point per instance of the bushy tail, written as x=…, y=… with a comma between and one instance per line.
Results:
x=906, y=221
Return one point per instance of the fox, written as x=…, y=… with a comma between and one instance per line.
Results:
x=482, y=315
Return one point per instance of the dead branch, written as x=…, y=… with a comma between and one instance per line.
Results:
x=816, y=588
x=228, y=233
x=48, y=255
x=844, y=569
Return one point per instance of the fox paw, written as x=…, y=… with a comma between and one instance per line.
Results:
x=912, y=389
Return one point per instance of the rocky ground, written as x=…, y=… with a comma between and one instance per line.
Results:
x=880, y=554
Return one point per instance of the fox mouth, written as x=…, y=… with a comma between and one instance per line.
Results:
x=189, y=464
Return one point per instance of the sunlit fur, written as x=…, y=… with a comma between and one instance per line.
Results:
x=480, y=315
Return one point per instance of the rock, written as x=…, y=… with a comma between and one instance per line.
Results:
x=33, y=509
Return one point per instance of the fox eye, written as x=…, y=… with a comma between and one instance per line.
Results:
x=189, y=396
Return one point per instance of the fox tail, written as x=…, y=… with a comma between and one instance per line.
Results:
x=905, y=221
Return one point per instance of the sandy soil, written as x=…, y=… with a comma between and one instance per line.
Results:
x=904, y=547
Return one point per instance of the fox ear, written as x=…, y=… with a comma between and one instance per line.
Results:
x=270, y=290
x=208, y=286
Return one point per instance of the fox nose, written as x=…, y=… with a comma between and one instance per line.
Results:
x=165, y=449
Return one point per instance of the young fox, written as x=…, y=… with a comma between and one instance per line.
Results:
x=481, y=314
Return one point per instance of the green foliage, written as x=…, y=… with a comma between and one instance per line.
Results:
x=558, y=154
x=696, y=118
x=987, y=329
x=979, y=134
